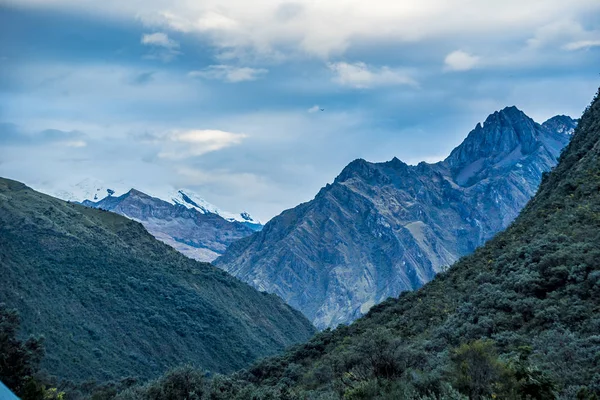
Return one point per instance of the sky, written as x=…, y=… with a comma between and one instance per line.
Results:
x=224, y=97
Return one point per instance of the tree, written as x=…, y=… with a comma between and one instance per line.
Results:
x=477, y=371
x=19, y=360
x=531, y=382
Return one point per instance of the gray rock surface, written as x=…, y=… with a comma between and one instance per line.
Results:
x=383, y=228
x=199, y=235
x=561, y=124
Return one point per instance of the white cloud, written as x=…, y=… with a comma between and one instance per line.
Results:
x=229, y=73
x=313, y=109
x=159, y=39
x=75, y=143
x=566, y=34
x=329, y=28
x=360, y=75
x=192, y=143
x=553, y=32
x=214, y=21
x=582, y=44
x=164, y=48
x=460, y=61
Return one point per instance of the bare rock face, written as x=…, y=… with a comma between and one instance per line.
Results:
x=202, y=236
x=561, y=124
x=384, y=228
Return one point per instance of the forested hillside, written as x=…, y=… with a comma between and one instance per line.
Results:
x=114, y=302
x=517, y=319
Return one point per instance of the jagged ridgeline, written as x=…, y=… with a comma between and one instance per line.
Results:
x=383, y=228
x=517, y=319
x=113, y=302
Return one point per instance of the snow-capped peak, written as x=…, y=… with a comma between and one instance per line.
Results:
x=96, y=190
x=189, y=199
x=86, y=189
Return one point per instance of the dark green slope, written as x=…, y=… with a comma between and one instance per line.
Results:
x=520, y=317
x=112, y=301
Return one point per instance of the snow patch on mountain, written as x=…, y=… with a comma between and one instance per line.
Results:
x=189, y=199
x=95, y=190
x=86, y=189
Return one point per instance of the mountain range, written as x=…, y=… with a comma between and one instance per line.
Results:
x=183, y=220
x=113, y=302
x=94, y=190
x=383, y=228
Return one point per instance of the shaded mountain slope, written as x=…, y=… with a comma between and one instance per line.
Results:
x=112, y=301
x=202, y=236
x=383, y=228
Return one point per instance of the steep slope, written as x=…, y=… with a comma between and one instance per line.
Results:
x=517, y=319
x=197, y=232
x=112, y=301
x=384, y=228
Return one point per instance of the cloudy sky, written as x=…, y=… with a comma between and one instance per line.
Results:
x=224, y=96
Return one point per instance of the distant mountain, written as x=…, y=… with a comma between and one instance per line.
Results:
x=561, y=124
x=112, y=301
x=184, y=221
x=384, y=228
x=191, y=200
x=86, y=189
x=94, y=190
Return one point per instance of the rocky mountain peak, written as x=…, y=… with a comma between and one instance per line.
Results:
x=561, y=124
x=357, y=168
x=372, y=173
x=396, y=163
x=502, y=132
x=135, y=192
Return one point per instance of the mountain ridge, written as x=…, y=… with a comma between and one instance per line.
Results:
x=381, y=228
x=94, y=190
x=184, y=223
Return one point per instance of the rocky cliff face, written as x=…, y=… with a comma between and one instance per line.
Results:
x=201, y=235
x=383, y=228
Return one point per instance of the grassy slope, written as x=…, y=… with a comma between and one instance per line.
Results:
x=112, y=301
x=536, y=284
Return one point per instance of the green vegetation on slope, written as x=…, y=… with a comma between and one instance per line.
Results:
x=19, y=360
x=518, y=319
x=113, y=302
